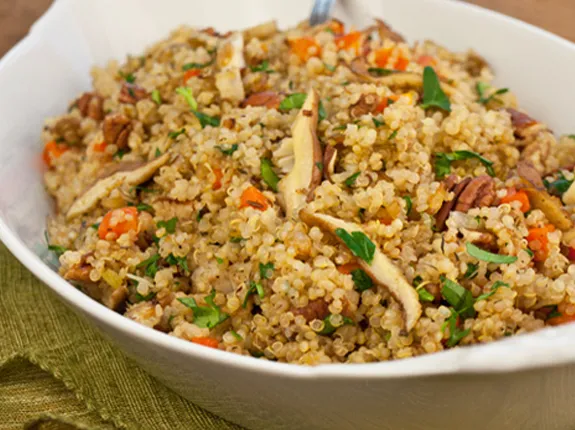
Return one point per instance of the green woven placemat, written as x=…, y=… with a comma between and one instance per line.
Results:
x=56, y=372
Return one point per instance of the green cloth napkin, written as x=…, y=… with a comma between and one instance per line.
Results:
x=56, y=372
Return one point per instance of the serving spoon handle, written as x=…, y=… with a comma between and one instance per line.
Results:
x=321, y=11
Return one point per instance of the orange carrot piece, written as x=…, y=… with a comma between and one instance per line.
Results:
x=304, y=48
x=100, y=146
x=517, y=196
x=385, y=103
x=53, y=150
x=337, y=27
x=347, y=268
x=191, y=73
x=218, y=181
x=538, y=242
x=254, y=198
x=382, y=57
x=563, y=319
x=206, y=341
x=349, y=41
x=401, y=63
x=123, y=219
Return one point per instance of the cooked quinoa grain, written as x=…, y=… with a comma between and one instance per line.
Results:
x=313, y=196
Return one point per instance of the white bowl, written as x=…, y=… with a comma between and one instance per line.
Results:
x=524, y=382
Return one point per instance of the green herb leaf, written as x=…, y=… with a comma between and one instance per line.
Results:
x=293, y=101
x=156, y=97
x=128, y=77
x=236, y=239
x=351, y=180
x=175, y=134
x=433, y=95
x=149, y=296
x=409, y=205
x=219, y=260
x=120, y=153
x=181, y=262
x=158, y=152
x=379, y=71
x=554, y=313
x=559, y=186
x=377, y=122
x=169, y=225
x=57, y=249
x=393, y=135
x=471, y=271
x=236, y=335
x=340, y=127
x=266, y=270
x=482, y=255
x=571, y=136
x=255, y=287
x=206, y=120
x=528, y=251
x=188, y=95
x=262, y=67
x=455, y=333
x=482, y=87
x=190, y=66
x=143, y=207
x=443, y=162
x=228, y=151
x=361, y=280
x=95, y=226
x=494, y=287
x=205, y=316
x=150, y=265
x=329, y=67
x=328, y=327
x=268, y=174
x=424, y=295
x=458, y=297
x=319, y=165
x=358, y=243
x=321, y=113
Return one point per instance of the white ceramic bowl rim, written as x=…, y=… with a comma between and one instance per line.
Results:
x=470, y=359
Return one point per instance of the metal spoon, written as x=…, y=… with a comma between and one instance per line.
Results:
x=320, y=12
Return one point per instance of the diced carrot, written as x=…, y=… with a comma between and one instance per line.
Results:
x=517, y=196
x=401, y=63
x=304, y=48
x=206, y=341
x=427, y=60
x=218, y=181
x=564, y=317
x=337, y=27
x=254, y=198
x=53, y=150
x=382, y=56
x=386, y=220
x=347, y=268
x=100, y=146
x=349, y=41
x=384, y=102
x=118, y=222
x=538, y=242
x=191, y=73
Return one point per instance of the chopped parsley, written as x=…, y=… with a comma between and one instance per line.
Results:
x=559, y=186
x=379, y=71
x=175, y=134
x=328, y=327
x=228, y=151
x=219, y=260
x=472, y=270
x=205, y=316
x=408, y=204
x=236, y=335
x=494, y=288
x=158, y=152
x=455, y=333
x=528, y=251
x=120, y=153
x=443, y=162
x=296, y=101
x=150, y=265
x=156, y=97
x=189, y=66
x=187, y=94
x=393, y=135
x=340, y=127
x=181, y=262
x=424, y=295
x=149, y=296
x=236, y=239
x=255, y=287
x=377, y=122
x=361, y=280
x=169, y=225
x=351, y=180
x=128, y=77
x=56, y=249
x=266, y=270
x=329, y=67
x=264, y=66
x=483, y=255
x=95, y=226
x=268, y=175
x=206, y=120
x=433, y=95
x=143, y=207
x=358, y=243
x=319, y=165
x=482, y=87
x=460, y=298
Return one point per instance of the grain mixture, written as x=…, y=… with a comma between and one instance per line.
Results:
x=313, y=196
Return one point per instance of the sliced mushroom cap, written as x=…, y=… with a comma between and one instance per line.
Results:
x=360, y=67
x=297, y=187
x=231, y=60
x=530, y=174
x=104, y=187
x=381, y=270
x=329, y=159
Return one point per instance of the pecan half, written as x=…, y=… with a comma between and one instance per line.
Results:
x=366, y=104
x=90, y=105
x=269, y=99
x=117, y=129
x=69, y=130
x=132, y=93
x=467, y=194
x=315, y=310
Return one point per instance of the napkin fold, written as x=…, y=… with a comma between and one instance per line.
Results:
x=57, y=372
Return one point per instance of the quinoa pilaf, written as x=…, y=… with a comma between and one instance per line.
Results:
x=313, y=196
